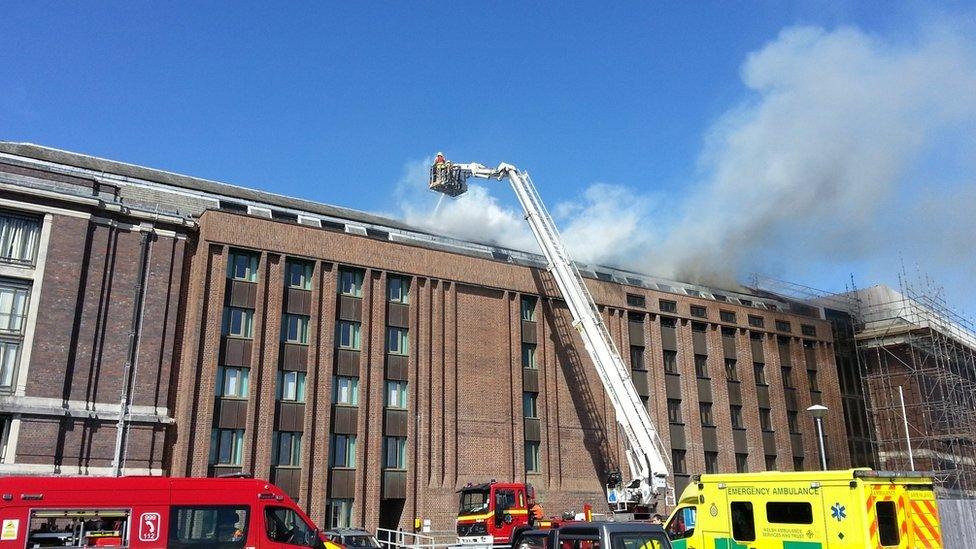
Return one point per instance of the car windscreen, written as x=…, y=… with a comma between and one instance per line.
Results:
x=639, y=540
x=473, y=501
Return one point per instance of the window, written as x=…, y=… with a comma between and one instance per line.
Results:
x=344, y=451
x=223, y=526
x=532, y=457
x=731, y=373
x=339, y=513
x=705, y=411
x=727, y=316
x=232, y=382
x=789, y=512
x=793, y=421
x=242, y=266
x=530, y=405
x=746, y=302
x=395, y=454
x=797, y=463
x=291, y=386
x=808, y=330
x=351, y=282
x=757, y=321
x=294, y=329
x=667, y=306
x=783, y=326
x=742, y=463
x=298, y=274
x=637, y=358
x=226, y=446
x=287, y=450
x=396, y=394
x=693, y=293
x=765, y=419
x=667, y=322
x=528, y=356
x=678, y=461
x=674, y=410
x=18, y=238
x=13, y=307
x=736, y=412
x=346, y=391
x=788, y=377
x=711, y=462
x=887, y=523
x=634, y=300
x=9, y=354
x=285, y=526
x=698, y=327
x=682, y=525
x=397, y=341
x=528, y=308
x=238, y=322
x=812, y=378
x=699, y=311
x=759, y=369
x=743, y=522
x=398, y=289
x=770, y=462
x=701, y=366
x=347, y=335
x=670, y=362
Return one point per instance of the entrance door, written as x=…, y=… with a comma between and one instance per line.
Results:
x=391, y=511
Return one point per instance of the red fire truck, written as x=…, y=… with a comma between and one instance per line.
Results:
x=144, y=512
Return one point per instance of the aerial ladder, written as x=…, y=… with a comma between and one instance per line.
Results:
x=646, y=456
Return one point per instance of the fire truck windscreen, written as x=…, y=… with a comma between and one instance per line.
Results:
x=473, y=501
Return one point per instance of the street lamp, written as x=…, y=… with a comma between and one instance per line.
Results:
x=818, y=411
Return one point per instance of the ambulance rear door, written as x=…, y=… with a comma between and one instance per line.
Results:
x=840, y=503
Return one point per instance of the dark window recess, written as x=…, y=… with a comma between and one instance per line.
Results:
x=701, y=366
x=743, y=521
x=759, y=369
x=678, y=461
x=674, y=410
x=634, y=300
x=731, y=373
x=765, y=419
x=637, y=358
x=736, y=413
x=757, y=321
x=671, y=362
x=770, y=462
x=887, y=522
x=746, y=302
x=728, y=332
x=699, y=311
x=711, y=462
x=789, y=512
x=606, y=277
x=705, y=411
x=229, y=206
x=637, y=318
x=808, y=330
x=720, y=297
x=698, y=327
x=692, y=293
x=668, y=322
x=284, y=216
x=783, y=326
x=797, y=463
x=742, y=463
x=667, y=306
x=726, y=316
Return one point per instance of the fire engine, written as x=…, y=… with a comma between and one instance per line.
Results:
x=150, y=512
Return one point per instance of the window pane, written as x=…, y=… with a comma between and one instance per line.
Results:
x=743, y=523
x=351, y=283
x=208, y=526
x=528, y=308
x=528, y=355
x=9, y=351
x=887, y=522
x=397, y=341
x=791, y=512
x=347, y=390
x=18, y=238
x=348, y=335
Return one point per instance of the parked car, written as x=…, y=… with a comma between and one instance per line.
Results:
x=351, y=538
x=597, y=535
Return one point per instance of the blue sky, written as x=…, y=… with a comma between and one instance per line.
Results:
x=646, y=105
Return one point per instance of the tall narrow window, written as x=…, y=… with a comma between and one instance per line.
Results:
x=528, y=356
x=792, y=419
x=351, y=282
x=678, y=461
x=232, y=382
x=347, y=335
x=298, y=274
x=294, y=329
x=812, y=378
x=344, y=451
x=742, y=463
x=701, y=366
x=291, y=386
x=242, y=266
x=346, y=391
x=226, y=446
x=637, y=358
x=711, y=462
x=670, y=362
x=532, y=457
x=759, y=369
x=238, y=322
x=13, y=307
x=765, y=420
x=788, y=377
x=530, y=404
x=770, y=462
x=287, y=449
x=398, y=289
x=731, y=373
x=18, y=238
x=528, y=308
x=736, y=413
x=674, y=411
x=397, y=341
x=396, y=394
x=395, y=455
x=339, y=513
x=705, y=410
x=9, y=355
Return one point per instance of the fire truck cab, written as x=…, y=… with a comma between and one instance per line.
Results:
x=144, y=512
x=494, y=513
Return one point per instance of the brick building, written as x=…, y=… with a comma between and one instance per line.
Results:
x=371, y=369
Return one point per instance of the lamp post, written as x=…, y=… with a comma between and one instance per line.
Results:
x=818, y=412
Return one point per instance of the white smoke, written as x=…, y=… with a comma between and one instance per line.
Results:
x=827, y=160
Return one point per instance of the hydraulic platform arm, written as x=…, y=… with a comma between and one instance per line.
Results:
x=646, y=457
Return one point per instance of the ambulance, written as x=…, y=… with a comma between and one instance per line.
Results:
x=848, y=509
x=151, y=512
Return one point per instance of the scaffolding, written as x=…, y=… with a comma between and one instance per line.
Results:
x=911, y=339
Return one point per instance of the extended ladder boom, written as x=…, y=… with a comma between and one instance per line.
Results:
x=645, y=453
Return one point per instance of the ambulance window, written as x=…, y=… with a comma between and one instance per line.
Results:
x=217, y=526
x=789, y=512
x=743, y=522
x=887, y=522
x=682, y=524
x=285, y=526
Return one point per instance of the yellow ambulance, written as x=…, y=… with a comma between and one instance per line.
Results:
x=854, y=508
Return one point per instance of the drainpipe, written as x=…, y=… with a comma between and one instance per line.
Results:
x=132, y=353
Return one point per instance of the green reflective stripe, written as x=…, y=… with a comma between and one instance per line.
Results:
x=680, y=544
x=728, y=543
x=802, y=545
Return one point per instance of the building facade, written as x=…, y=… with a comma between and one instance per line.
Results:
x=372, y=369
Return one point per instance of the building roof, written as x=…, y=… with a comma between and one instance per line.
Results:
x=156, y=190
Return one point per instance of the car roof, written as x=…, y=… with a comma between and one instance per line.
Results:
x=612, y=527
